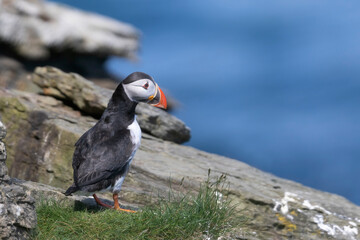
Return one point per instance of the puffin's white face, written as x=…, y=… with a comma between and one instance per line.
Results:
x=140, y=87
x=140, y=90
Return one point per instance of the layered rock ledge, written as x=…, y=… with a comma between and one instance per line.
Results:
x=92, y=100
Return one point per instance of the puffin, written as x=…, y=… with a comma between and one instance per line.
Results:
x=103, y=154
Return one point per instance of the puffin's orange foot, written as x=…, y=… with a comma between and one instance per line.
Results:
x=117, y=206
x=123, y=209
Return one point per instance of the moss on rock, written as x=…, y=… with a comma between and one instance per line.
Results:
x=39, y=149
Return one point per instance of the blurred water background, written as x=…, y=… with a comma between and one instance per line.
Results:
x=274, y=84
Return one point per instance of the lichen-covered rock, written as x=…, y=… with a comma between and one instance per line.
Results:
x=17, y=208
x=40, y=145
x=17, y=212
x=93, y=100
x=3, y=168
x=2, y=131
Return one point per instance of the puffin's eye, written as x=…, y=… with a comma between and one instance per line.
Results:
x=146, y=85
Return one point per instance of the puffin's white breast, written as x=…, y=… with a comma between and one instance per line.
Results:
x=135, y=137
x=135, y=133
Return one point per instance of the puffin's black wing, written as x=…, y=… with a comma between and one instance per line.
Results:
x=101, y=154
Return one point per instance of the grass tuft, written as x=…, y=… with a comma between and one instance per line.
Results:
x=207, y=214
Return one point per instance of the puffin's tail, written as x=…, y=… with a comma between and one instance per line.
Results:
x=71, y=190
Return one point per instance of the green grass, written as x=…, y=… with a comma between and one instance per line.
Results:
x=177, y=217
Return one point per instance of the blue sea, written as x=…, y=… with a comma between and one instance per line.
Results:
x=275, y=84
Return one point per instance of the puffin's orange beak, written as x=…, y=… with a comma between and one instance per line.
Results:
x=162, y=99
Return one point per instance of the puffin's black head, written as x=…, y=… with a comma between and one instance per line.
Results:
x=140, y=87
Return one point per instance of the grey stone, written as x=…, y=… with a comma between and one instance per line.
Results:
x=36, y=28
x=3, y=170
x=93, y=100
x=160, y=124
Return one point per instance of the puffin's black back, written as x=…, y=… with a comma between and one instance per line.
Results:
x=103, y=152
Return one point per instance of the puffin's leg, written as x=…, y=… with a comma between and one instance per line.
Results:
x=97, y=200
x=117, y=206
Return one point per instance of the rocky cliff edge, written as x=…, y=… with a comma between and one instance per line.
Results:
x=42, y=131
